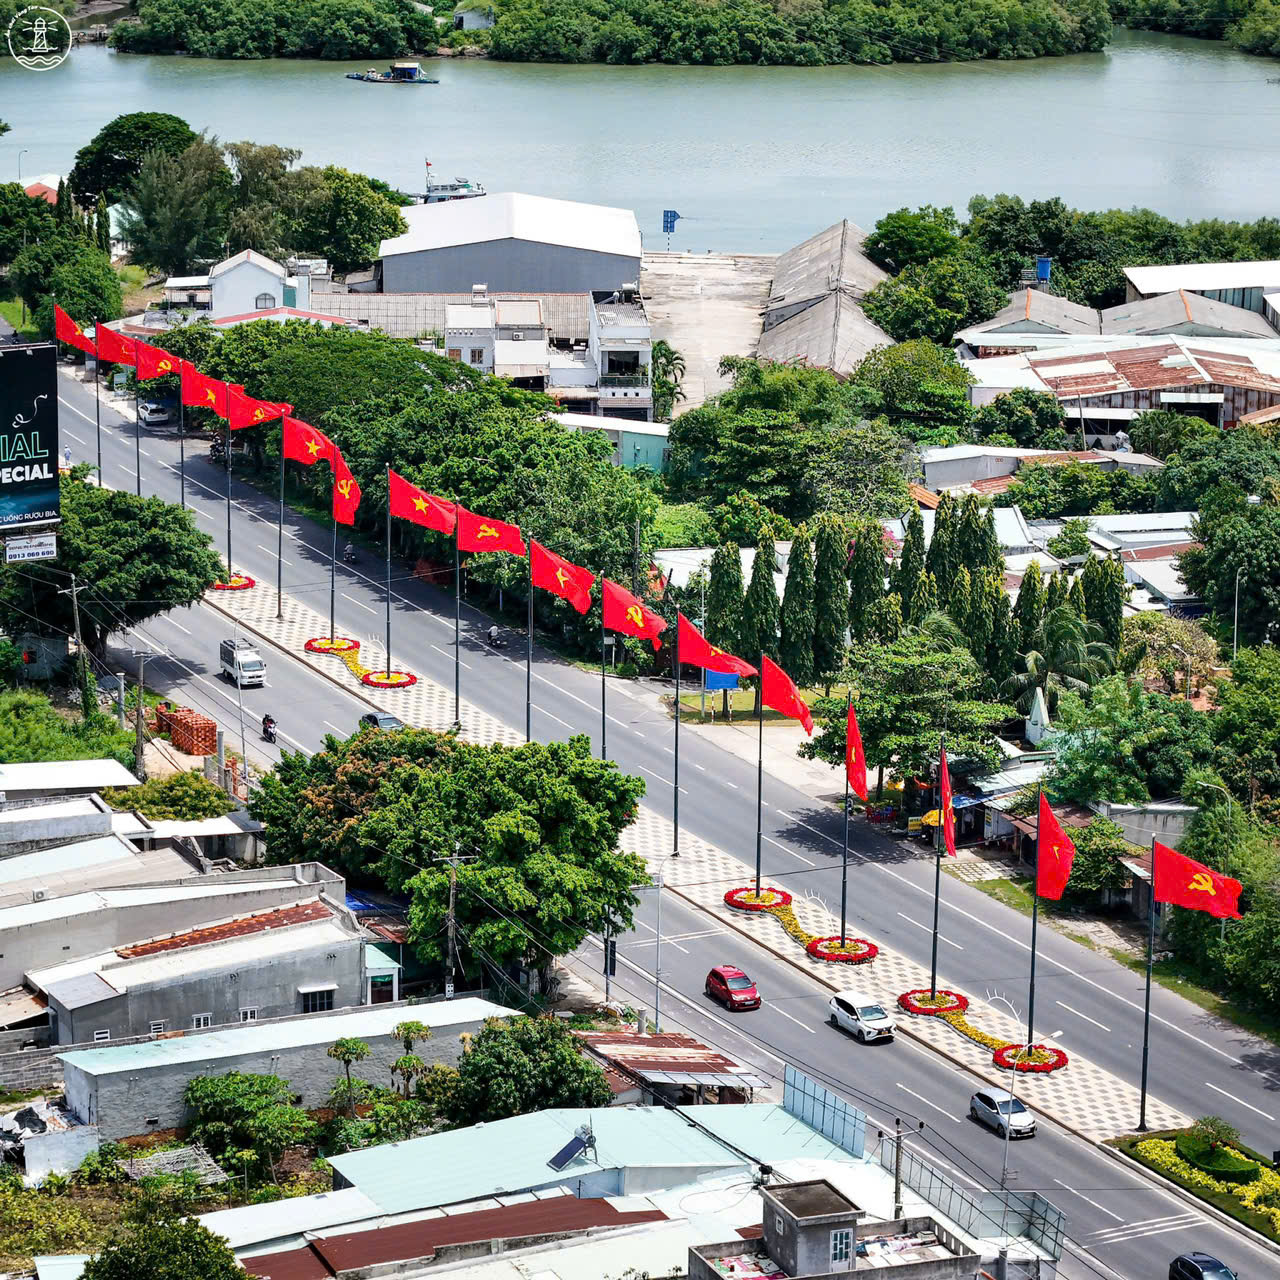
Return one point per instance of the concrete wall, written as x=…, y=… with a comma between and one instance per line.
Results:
x=506, y=265
x=58, y=1151
x=1166, y=822
x=28, y=827
x=235, y=291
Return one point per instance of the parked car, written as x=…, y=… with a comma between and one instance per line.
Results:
x=380, y=720
x=998, y=1109
x=856, y=1012
x=1199, y=1266
x=153, y=414
x=728, y=984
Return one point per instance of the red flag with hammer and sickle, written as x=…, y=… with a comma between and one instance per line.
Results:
x=113, y=347
x=480, y=533
x=199, y=391
x=624, y=613
x=346, y=493
x=562, y=578
x=695, y=649
x=245, y=411
x=154, y=362
x=1187, y=883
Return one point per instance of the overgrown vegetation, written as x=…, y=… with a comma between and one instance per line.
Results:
x=183, y=797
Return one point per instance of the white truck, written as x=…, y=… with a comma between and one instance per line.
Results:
x=242, y=664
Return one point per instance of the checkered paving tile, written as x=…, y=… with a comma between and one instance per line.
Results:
x=1083, y=1095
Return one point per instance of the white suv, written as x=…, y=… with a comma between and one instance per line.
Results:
x=856, y=1012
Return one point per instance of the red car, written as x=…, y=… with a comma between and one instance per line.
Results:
x=728, y=984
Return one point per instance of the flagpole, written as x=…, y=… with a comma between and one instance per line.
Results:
x=280, y=530
x=937, y=872
x=388, y=571
x=97, y=410
x=604, y=714
x=528, y=666
x=760, y=774
x=333, y=582
x=457, y=628
x=137, y=438
x=229, y=569
x=1035, y=922
x=182, y=444
x=1146, y=1009
x=844, y=863
x=675, y=788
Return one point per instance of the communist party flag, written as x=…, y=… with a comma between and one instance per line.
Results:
x=623, y=612
x=554, y=573
x=948, y=811
x=778, y=690
x=154, y=362
x=245, y=411
x=855, y=762
x=66, y=330
x=202, y=392
x=693, y=647
x=113, y=346
x=479, y=533
x=408, y=502
x=346, y=492
x=1054, y=853
x=303, y=443
x=1187, y=883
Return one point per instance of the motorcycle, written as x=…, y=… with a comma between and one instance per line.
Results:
x=269, y=731
x=494, y=640
x=349, y=554
x=218, y=451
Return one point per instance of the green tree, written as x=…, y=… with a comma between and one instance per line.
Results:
x=866, y=576
x=1006, y=636
x=518, y=1065
x=924, y=599
x=181, y=797
x=1065, y=653
x=104, y=226
x=1072, y=541
x=862, y=470
x=169, y=1249
x=1055, y=593
x=1244, y=458
x=886, y=619
x=1246, y=727
x=668, y=371
x=760, y=606
x=1151, y=643
x=943, y=554
x=348, y=220
x=908, y=238
x=1030, y=607
x=724, y=603
x=960, y=599
x=346, y=1050
x=1246, y=542
x=798, y=617
x=23, y=221
x=934, y=299
x=1097, y=865
x=983, y=590
x=1031, y=419
x=1162, y=432
x=108, y=165
x=975, y=543
x=239, y=1111
x=921, y=388
x=410, y=1032
x=1105, y=603
x=77, y=274
x=832, y=596
x=1075, y=597
x=911, y=562
x=31, y=729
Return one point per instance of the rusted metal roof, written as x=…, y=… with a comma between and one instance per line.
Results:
x=298, y=913
x=668, y=1058
x=1164, y=551
x=924, y=498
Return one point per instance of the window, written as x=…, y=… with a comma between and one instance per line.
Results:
x=99, y=1036
x=317, y=1001
x=248, y=1015
x=455, y=353
x=477, y=355
x=841, y=1244
x=158, y=1028
x=201, y=1020
x=264, y=302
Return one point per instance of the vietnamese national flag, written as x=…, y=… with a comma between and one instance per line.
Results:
x=245, y=411
x=199, y=391
x=1054, y=853
x=778, y=690
x=855, y=762
x=303, y=443
x=66, y=330
x=623, y=612
x=694, y=648
x=948, y=816
x=346, y=492
x=1187, y=883
x=562, y=578
x=408, y=502
x=479, y=533
x=112, y=346
x=154, y=362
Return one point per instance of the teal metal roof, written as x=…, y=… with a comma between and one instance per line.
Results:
x=377, y=961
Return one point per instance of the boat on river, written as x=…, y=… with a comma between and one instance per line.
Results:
x=440, y=190
x=397, y=73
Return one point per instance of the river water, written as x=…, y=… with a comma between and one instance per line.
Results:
x=755, y=159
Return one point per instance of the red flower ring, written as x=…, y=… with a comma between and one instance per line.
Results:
x=857, y=950
x=745, y=899
x=951, y=1002
x=391, y=680
x=1041, y=1058
x=339, y=644
x=239, y=582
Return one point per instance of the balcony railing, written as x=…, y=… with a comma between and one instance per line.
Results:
x=624, y=379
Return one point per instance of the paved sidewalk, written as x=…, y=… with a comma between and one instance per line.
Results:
x=1083, y=1097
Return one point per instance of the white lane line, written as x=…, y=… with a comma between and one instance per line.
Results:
x=75, y=437
x=1233, y=1098
x=666, y=782
x=179, y=625
x=361, y=604
x=734, y=785
x=333, y=726
x=798, y=856
x=270, y=551
x=1143, y=1223
x=665, y=938
x=1086, y=1017
x=926, y=1101
x=928, y=929
x=438, y=649
x=567, y=725
x=773, y=1008
x=1120, y=1237
x=144, y=453
x=703, y=767
x=1085, y=1198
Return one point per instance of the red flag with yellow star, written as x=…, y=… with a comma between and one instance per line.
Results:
x=624, y=613
x=346, y=492
x=778, y=691
x=304, y=443
x=554, y=573
x=66, y=330
x=948, y=808
x=1187, y=883
x=1054, y=854
x=199, y=391
x=408, y=502
x=480, y=533
x=117, y=348
x=246, y=411
x=154, y=362
x=695, y=649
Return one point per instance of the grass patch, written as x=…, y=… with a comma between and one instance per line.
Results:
x=12, y=312
x=1017, y=894
x=15, y=1097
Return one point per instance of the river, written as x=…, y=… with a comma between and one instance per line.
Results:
x=755, y=159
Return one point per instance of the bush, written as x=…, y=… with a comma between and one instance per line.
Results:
x=182, y=797
x=1220, y=1161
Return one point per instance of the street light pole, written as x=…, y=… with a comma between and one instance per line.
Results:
x=657, y=948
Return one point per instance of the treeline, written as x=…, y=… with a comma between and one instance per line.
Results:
x=756, y=33
x=328, y=29
x=1250, y=25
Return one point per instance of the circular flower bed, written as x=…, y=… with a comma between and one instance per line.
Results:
x=336, y=644
x=239, y=582
x=747, y=900
x=923, y=1003
x=854, y=950
x=389, y=679
x=1037, y=1057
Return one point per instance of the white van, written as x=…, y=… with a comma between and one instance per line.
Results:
x=241, y=663
x=856, y=1012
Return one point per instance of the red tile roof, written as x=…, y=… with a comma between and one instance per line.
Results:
x=42, y=191
x=1165, y=551
x=278, y=918
x=290, y=313
x=925, y=498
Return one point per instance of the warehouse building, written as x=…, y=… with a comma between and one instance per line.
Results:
x=511, y=242
x=1242, y=284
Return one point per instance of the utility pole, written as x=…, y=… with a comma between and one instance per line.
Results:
x=120, y=698
x=1235, y=617
x=139, y=761
x=897, y=1167
x=74, y=592
x=452, y=922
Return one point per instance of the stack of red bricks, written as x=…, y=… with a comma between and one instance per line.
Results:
x=189, y=731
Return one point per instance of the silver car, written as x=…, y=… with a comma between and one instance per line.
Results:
x=1000, y=1110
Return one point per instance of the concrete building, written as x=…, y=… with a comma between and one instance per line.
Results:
x=1242, y=284
x=635, y=444
x=473, y=15
x=137, y=1088
x=511, y=242
x=987, y=469
x=813, y=315
x=46, y=778
x=248, y=286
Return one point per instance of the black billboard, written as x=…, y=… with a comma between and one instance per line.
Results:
x=28, y=435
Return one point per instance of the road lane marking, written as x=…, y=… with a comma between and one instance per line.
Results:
x=926, y=1101
x=1085, y=1198
x=179, y=625
x=927, y=929
x=1140, y=1223
x=438, y=649
x=798, y=856
x=1233, y=1098
x=773, y=1008
x=333, y=726
x=270, y=552
x=1086, y=1017
x=650, y=772
x=642, y=942
x=361, y=604
x=75, y=437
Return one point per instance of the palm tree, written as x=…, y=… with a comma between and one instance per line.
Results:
x=346, y=1051
x=940, y=630
x=667, y=369
x=1066, y=653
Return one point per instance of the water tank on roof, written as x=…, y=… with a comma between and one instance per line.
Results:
x=1043, y=265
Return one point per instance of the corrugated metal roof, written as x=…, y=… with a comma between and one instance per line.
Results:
x=1201, y=276
x=63, y=858
x=80, y=990
x=242, y=926
x=279, y=1219
x=669, y=1059
x=1168, y=311
x=1056, y=314
x=406, y=315
x=65, y=775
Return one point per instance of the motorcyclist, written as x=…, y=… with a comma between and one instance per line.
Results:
x=349, y=553
x=268, y=726
x=493, y=635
